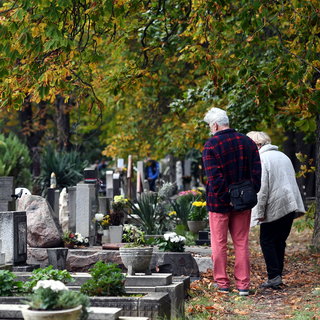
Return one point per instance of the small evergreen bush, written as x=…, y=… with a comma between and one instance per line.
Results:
x=15, y=160
x=67, y=166
x=107, y=280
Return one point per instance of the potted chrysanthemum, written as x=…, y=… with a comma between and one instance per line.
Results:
x=197, y=219
x=52, y=300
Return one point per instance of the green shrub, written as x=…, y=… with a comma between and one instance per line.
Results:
x=307, y=220
x=15, y=160
x=47, y=273
x=106, y=280
x=67, y=166
x=146, y=208
x=8, y=285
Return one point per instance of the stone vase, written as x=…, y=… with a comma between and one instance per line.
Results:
x=196, y=226
x=136, y=259
x=115, y=234
x=67, y=314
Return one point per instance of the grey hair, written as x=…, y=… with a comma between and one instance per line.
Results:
x=218, y=116
x=259, y=137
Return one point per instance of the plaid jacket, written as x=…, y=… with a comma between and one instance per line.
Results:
x=229, y=157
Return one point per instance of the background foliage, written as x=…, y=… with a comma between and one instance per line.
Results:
x=140, y=74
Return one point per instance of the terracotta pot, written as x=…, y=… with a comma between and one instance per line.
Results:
x=67, y=314
x=136, y=259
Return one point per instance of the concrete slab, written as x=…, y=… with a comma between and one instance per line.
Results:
x=155, y=279
x=204, y=263
x=11, y=311
x=101, y=313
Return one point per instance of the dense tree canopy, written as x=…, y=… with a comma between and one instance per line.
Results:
x=148, y=70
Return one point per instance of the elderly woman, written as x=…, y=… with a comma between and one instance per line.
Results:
x=279, y=202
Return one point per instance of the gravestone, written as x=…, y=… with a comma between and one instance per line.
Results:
x=187, y=168
x=203, y=238
x=109, y=184
x=172, y=166
x=187, y=174
x=57, y=257
x=179, y=175
x=86, y=208
x=53, y=195
x=63, y=210
x=104, y=205
x=120, y=163
x=6, y=192
x=2, y=255
x=13, y=233
x=129, y=178
x=72, y=200
x=144, y=181
x=90, y=175
x=116, y=184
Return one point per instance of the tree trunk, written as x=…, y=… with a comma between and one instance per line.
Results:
x=33, y=127
x=63, y=124
x=316, y=231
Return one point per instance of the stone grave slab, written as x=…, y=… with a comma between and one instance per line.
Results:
x=155, y=279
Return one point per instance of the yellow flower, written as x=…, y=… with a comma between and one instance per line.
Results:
x=199, y=203
x=172, y=213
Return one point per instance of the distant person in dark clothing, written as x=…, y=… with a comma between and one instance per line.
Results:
x=229, y=157
x=152, y=173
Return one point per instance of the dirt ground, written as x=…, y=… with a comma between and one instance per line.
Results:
x=299, y=298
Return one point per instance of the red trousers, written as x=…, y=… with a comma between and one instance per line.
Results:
x=238, y=223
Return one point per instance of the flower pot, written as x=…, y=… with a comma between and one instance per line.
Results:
x=67, y=314
x=69, y=245
x=196, y=226
x=115, y=233
x=136, y=259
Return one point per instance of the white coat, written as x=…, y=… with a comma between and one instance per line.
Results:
x=279, y=193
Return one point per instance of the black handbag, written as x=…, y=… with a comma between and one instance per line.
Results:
x=242, y=195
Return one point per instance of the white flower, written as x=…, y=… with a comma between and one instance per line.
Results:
x=99, y=216
x=54, y=285
x=175, y=239
x=169, y=235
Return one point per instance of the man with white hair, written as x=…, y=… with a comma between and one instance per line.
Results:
x=229, y=157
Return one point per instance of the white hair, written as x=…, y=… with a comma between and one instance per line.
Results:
x=218, y=116
x=259, y=137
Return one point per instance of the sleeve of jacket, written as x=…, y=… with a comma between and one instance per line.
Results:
x=256, y=170
x=263, y=193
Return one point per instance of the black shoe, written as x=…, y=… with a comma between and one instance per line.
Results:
x=272, y=283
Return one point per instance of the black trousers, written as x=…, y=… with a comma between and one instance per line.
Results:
x=273, y=236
